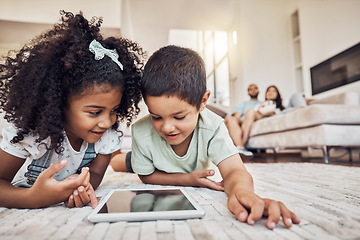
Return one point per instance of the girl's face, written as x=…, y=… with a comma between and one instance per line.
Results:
x=174, y=120
x=89, y=116
x=271, y=94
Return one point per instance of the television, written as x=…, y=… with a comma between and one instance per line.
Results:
x=339, y=70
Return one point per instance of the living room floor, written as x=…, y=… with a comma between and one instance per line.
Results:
x=337, y=157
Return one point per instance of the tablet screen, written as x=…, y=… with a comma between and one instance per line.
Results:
x=146, y=201
x=146, y=204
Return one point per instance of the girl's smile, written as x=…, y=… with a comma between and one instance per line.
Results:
x=88, y=117
x=97, y=134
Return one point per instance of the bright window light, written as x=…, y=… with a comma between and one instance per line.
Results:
x=234, y=36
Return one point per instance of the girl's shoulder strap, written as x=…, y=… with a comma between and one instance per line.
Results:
x=89, y=156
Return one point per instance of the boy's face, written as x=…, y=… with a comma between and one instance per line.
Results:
x=174, y=120
x=89, y=116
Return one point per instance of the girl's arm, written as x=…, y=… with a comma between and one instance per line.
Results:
x=97, y=169
x=46, y=190
x=238, y=185
x=10, y=196
x=197, y=178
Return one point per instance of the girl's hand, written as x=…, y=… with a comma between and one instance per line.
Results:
x=199, y=178
x=47, y=190
x=83, y=194
x=239, y=202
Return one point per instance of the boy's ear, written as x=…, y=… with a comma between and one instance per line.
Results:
x=204, y=100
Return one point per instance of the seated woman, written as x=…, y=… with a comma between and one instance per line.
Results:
x=272, y=97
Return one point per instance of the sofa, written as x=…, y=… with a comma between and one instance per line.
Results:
x=325, y=123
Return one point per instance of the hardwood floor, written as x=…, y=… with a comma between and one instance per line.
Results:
x=337, y=157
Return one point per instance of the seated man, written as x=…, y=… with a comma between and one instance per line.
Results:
x=234, y=121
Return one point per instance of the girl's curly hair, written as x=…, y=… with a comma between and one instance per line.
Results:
x=36, y=82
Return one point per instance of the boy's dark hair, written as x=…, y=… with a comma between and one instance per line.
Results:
x=36, y=82
x=175, y=71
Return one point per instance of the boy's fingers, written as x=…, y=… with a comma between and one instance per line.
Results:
x=237, y=209
x=213, y=185
x=274, y=211
x=286, y=215
x=255, y=204
x=295, y=219
x=210, y=172
x=288, y=221
x=205, y=173
x=53, y=168
x=256, y=211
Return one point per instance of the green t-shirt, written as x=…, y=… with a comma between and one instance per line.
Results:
x=210, y=142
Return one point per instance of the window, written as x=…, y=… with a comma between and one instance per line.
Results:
x=213, y=48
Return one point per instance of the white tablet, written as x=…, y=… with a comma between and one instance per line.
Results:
x=146, y=205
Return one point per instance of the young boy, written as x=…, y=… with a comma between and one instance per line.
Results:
x=175, y=142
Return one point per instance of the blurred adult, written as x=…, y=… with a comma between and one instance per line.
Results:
x=233, y=122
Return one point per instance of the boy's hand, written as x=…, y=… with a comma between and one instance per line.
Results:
x=239, y=202
x=199, y=179
x=47, y=190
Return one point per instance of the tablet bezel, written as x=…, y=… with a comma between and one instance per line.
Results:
x=146, y=216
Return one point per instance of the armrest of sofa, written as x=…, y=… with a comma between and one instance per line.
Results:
x=348, y=98
x=220, y=110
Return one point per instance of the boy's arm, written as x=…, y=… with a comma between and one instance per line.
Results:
x=238, y=185
x=197, y=178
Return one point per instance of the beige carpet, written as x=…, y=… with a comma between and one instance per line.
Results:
x=325, y=197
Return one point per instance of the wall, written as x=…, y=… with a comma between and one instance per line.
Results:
x=265, y=49
x=149, y=22
x=21, y=20
x=263, y=53
x=327, y=28
x=45, y=11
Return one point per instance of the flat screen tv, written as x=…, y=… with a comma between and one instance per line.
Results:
x=339, y=70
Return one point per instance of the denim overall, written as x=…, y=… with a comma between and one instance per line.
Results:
x=39, y=165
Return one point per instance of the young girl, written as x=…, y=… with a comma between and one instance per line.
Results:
x=64, y=95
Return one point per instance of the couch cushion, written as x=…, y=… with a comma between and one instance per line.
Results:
x=311, y=115
x=317, y=136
